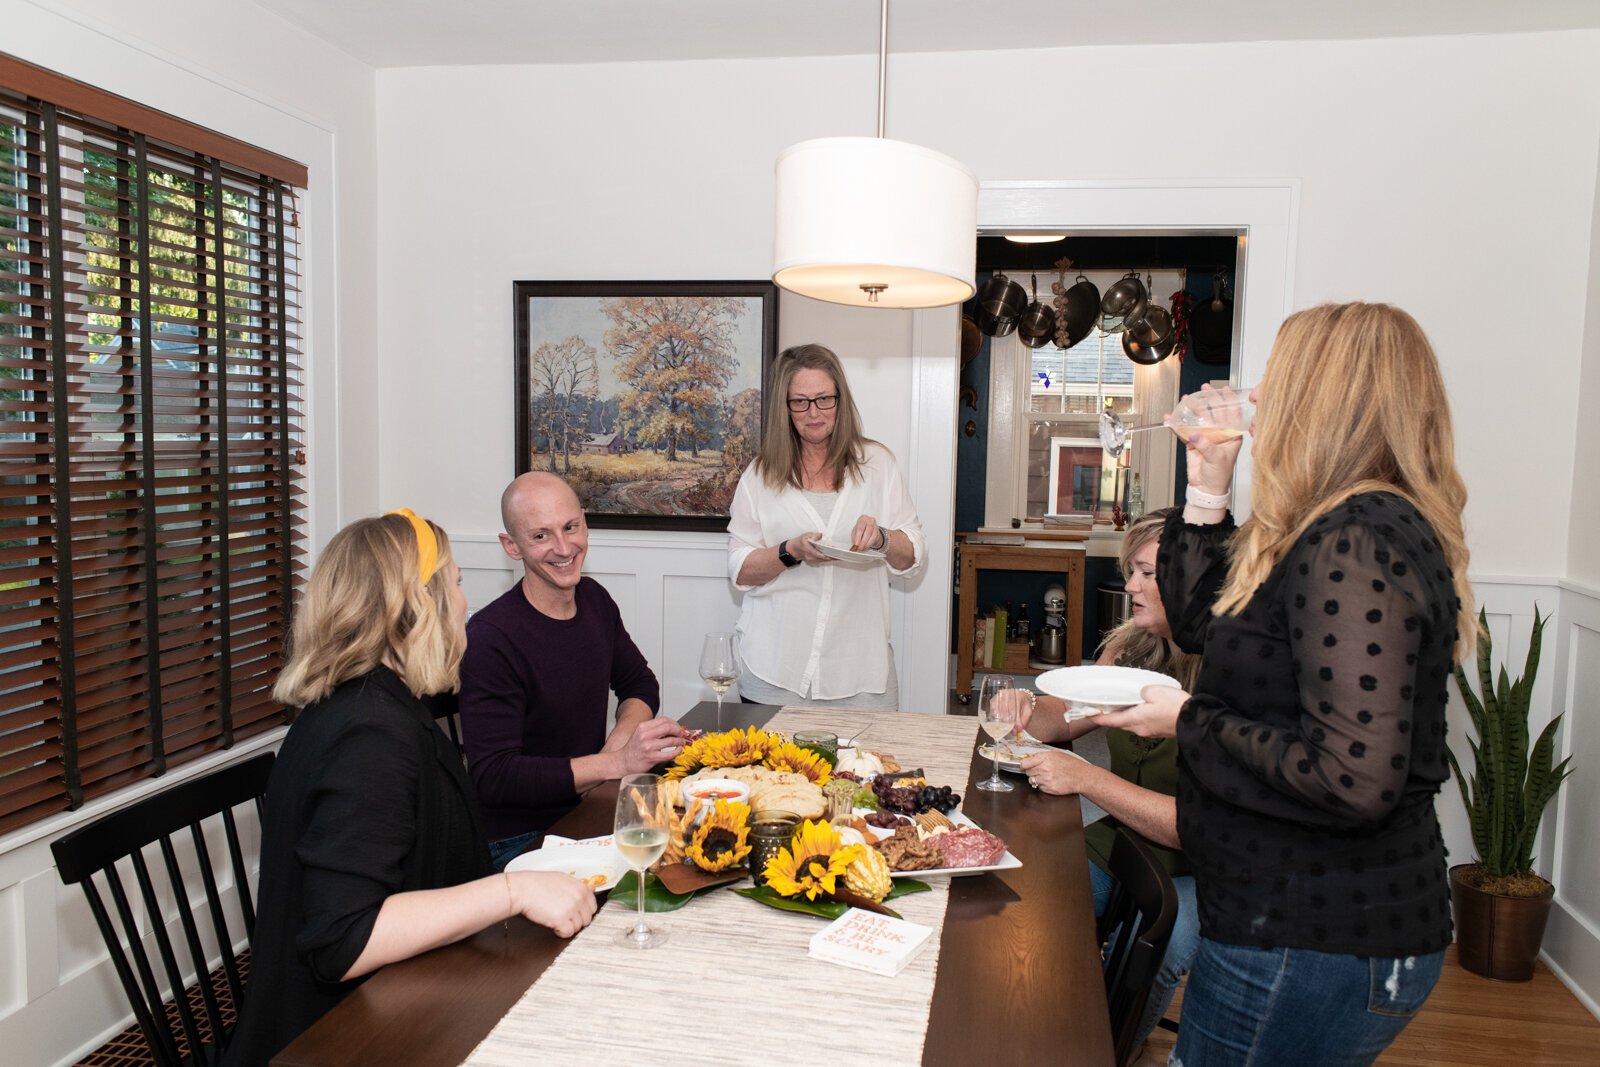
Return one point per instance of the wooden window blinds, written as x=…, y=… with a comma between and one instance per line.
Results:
x=151, y=512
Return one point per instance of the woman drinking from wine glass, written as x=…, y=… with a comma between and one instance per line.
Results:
x=1313, y=742
x=1137, y=790
x=372, y=849
x=814, y=628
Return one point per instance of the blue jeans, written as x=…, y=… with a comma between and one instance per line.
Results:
x=1260, y=1007
x=1180, y=950
x=506, y=849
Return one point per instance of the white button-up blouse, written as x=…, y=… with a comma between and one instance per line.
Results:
x=821, y=630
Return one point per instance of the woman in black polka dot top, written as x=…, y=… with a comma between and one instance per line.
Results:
x=1314, y=742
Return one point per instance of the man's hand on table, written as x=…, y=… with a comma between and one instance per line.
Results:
x=654, y=741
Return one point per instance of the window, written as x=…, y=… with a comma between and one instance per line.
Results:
x=149, y=496
x=1044, y=453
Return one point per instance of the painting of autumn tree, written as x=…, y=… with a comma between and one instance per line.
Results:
x=645, y=396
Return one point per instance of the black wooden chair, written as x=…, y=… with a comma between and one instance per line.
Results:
x=91, y=854
x=446, y=708
x=1133, y=932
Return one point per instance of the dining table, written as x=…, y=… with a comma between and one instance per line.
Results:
x=1017, y=979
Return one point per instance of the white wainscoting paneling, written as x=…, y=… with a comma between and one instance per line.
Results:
x=1572, y=941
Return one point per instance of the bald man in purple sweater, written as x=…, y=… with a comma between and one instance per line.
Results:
x=541, y=663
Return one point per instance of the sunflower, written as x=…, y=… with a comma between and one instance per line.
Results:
x=812, y=864
x=788, y=756
x=731, y=748
x=721, y=839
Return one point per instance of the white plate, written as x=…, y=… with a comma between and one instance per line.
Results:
x=580, y=861
x=1026, y=745
x=847, y=555
x=1091, y=690
x=1007, y=862
x=1015, y=748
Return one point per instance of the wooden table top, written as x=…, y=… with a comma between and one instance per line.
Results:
x=1018, y=979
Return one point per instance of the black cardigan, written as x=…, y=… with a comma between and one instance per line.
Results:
x=1314, y=744
x=367, y=798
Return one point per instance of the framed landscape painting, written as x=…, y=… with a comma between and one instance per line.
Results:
x=647, y=397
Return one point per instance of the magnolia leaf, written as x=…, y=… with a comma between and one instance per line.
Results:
x=656, y=896
x=824, y=908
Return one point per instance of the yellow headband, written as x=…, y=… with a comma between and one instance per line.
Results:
x=427, y=544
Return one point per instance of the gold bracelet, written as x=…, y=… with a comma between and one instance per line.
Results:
x=1033, y=701
x=511, y=898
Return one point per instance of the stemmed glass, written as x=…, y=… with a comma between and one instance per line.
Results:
x=1216, y=413
x=643, y=819
x=998, y=717
x=719, y=665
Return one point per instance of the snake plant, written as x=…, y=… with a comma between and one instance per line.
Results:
x=1510, y=784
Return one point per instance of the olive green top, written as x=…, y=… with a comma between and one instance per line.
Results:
x=1151, y=762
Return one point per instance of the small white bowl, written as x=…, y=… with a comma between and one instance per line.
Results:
x=710, y=790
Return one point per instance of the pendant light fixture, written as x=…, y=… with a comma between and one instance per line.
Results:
x=873, y=222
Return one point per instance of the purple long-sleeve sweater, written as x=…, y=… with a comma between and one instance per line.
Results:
x=534, y=692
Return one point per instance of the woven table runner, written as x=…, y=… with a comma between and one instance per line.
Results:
x=733, y=984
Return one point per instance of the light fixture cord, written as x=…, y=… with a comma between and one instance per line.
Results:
x=883, y=61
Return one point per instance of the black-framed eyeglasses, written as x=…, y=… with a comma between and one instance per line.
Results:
x=798, y=404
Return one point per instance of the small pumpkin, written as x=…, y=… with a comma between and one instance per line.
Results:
x=868, y=875
x=862, y=764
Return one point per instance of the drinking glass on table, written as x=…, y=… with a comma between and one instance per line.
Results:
x=998, y=718
x=643, y=818
x=719, y=665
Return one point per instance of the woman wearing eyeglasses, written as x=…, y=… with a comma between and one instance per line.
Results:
x=814, y=628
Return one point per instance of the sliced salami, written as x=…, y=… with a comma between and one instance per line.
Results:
x=971, y=847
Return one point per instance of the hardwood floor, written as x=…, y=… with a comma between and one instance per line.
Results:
x=1470, y=1020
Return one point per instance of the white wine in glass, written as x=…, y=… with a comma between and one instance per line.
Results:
x=998, y=718
x=1216, y=414
x=719, y=665
x=640, y=833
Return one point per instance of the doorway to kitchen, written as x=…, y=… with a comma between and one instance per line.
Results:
x=1260, y=214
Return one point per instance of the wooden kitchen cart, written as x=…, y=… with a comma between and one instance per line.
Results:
x=1063, y=556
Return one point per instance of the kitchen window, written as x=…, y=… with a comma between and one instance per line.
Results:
x=1044, y=421
x=150, y=495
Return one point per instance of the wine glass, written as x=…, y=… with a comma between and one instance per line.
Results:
x=1215, y=413
x=719, y=665
x=998, y=717
x=643, y=818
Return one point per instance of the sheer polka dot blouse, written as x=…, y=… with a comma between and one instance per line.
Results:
x=1314, y=744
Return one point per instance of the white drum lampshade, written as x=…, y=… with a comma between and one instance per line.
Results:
x=875, y=223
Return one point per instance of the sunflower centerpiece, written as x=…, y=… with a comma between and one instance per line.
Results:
x=818, y=863
x=748, y=748
x=721, y=841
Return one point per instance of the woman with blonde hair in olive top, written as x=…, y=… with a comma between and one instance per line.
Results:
x=372, y=848
x=1137, y=790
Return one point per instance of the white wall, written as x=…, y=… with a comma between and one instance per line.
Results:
x=241, y=71
x=1583, y=538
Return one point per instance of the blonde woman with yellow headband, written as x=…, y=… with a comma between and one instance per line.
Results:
x=372, y=845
